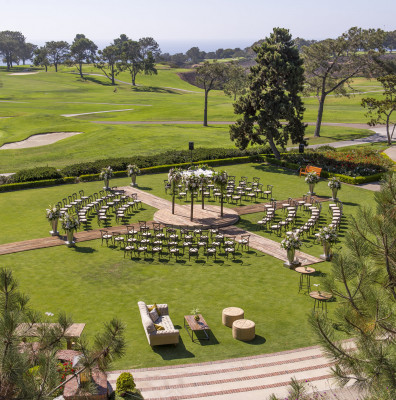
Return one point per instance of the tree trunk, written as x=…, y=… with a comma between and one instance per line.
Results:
x=46, y=68
x=387, y=131
x=80, y=70
x=273, y=146
x=205, y=123
x=320, y=115
x=112, y=75
x=56, y=67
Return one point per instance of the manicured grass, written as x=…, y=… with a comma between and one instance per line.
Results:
x=95, y=283
x=36, y=103
x=108, y=141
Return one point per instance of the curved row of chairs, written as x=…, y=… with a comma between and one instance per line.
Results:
x=235, y=192
x=100, y=204
x=169, y=241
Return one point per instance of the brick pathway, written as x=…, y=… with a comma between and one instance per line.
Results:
x=246, y=378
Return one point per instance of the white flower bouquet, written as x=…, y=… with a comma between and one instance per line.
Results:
x=220, y=179
x=334, y=183
x=53, y=212
x=291, y=242
x=328, y=234
x=69, y=222
x=312, y=178
x=106, y=173
x=192, y=182
x=175, y=176
x=133, y=169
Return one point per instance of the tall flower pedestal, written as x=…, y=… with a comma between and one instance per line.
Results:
x=106, y=184
x=326, y=251
x=334, y=192
x=133, y=183
x=311, y=189
x=70, y=238
x=54, y=226
x=291, y=262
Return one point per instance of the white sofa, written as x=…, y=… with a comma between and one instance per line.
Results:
x=169, y=335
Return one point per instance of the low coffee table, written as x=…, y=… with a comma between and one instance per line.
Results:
x=195, y=326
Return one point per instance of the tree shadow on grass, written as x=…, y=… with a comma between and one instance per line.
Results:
x=148, y=188
x=153, y=89
x=95, y=80
x=171, y=352
x=274, y=169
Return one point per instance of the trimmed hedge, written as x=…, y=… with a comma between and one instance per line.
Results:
x=36, y=174
x=167, y=158
x=9, y=187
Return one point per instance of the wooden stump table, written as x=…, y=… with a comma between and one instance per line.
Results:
x=243, y=329
x=231, y=314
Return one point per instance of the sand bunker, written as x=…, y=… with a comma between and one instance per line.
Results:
x=38, y=140
x=24, y=73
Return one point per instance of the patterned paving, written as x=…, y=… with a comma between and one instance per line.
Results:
x=245, y=378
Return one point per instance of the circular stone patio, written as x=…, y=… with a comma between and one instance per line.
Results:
x=210, y=216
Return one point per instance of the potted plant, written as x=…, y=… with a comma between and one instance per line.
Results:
x=327, y=236
x=69, y=224
x=291, y=243
x=132, y=171
x=220, y=179
x=174, y=178
x=53, y=214
x=312, y=179
x=335, y=185
x=106, y=174
x=195, y=312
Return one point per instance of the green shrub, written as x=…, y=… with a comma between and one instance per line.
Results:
x=28, y=185
x=36, y=174
x=89, y=177
x=125, y=383
x=167, y=158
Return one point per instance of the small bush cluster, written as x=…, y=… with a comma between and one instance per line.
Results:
x=36, y=174
x=356, y=162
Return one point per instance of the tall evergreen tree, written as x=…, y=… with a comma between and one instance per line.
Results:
x=363, y=280
x=57, y=52
x=273, y=96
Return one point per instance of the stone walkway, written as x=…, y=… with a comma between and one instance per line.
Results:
x=246, y=378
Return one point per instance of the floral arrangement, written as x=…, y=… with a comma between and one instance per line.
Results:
x=312, y=178
x=53, y=212
x=220, y=179
x=334, y=183
x=192, y=182
x=291, y=242
x=132, y=169
x=106, y=173
x=328, y=234
x=175, y=176
x=69, y=222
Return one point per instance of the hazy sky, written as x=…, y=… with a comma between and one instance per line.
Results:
x=178, y=25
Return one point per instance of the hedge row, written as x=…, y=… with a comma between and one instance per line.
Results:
x=35, y=184
x=167, y=158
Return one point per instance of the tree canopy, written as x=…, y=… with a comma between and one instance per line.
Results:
x=330, y=65
x=57, y=52
x=272, y=108
x=82, y=50
x=11, y=45
x=380, y=111
x=211, y=76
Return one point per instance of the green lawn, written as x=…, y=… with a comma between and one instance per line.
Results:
x=37, y=102
x=94, y=283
